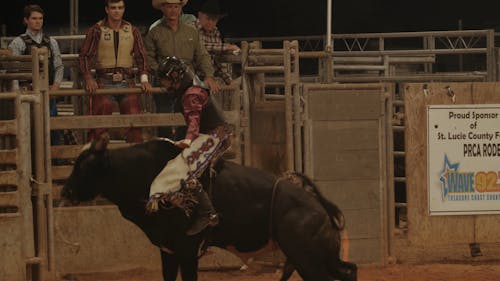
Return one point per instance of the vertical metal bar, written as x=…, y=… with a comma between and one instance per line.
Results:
x=288, y=107
x=71, y=23
x=431, y=45
x=382, y=139
x=308, y=170
x=497, y=63
x=389, y=174
x=490, y=55
x=235, y=107
x=328, y=61
x=297, y=108
x=460, y=56
x=258, y=81
x=77, y=18
x=39, y=169
x=44, y=89
x=328, y=46
x=22, y=111
x=247, y=144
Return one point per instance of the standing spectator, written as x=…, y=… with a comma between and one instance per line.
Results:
x=111, y=46
x=34, y=37
x=208, y=17
x=185, y=18
x=173, y=38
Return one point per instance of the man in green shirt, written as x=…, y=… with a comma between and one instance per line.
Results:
x=172, y=38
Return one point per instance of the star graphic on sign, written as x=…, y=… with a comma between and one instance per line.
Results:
x=447, y=167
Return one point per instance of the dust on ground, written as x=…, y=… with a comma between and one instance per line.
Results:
x=395, y=272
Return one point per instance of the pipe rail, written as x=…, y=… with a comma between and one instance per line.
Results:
x=125, y=91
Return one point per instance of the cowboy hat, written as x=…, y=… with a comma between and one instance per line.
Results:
x=212, y=7
x=157, y=3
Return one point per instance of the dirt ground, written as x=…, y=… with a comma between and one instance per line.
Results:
x=428, y=272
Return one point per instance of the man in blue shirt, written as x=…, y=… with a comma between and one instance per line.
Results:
x=34, y=37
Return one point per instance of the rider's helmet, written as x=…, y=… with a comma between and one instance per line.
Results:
x=172, y=68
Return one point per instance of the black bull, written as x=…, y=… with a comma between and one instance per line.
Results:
x=298, y=222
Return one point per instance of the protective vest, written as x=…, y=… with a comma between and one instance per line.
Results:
x=29, y=42
x=110, y=57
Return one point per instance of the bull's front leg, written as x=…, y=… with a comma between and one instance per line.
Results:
x=169, y=266
x=187, y=263
x=189, y=267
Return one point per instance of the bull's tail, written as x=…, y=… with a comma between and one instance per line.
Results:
x=334, y=212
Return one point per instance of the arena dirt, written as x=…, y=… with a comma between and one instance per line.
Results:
x=397, y=272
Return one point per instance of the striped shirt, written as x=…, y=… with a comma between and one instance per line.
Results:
x=215, y=47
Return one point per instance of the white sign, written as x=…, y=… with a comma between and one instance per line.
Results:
x=463, y=159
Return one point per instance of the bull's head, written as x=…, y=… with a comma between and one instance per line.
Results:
x=91, y=164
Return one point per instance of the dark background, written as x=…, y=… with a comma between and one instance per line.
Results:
x=283, y=17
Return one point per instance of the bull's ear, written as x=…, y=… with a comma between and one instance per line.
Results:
x=102, y=143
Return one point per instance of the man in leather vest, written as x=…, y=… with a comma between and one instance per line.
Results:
x=111, y=46
x=207, y=131
x=34, y=37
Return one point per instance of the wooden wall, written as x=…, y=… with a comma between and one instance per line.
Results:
x=268, y=136
x=439, y=238
x=346, y=156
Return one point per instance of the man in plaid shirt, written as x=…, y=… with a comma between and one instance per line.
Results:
x=208, y=16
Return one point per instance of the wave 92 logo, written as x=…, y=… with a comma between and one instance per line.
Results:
x=454, y=182
x=461, y=186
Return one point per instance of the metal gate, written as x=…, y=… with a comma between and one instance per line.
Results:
x=25, y=201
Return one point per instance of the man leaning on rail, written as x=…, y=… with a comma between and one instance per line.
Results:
x=111, y=46
x=172, y=38
x=34, y=37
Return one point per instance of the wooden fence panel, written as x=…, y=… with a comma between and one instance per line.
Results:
x=346, y=156
x=440, y=237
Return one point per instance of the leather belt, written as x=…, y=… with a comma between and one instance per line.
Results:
x=114, y=77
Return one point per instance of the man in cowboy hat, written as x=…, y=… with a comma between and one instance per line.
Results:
x=185, y=18
x=173, y=38
x=208, y=16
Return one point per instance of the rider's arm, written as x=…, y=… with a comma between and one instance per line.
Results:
x=193, y=101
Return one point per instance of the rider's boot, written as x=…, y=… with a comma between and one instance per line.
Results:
x=205, y=214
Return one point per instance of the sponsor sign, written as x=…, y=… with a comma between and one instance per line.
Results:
x=463, y=159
